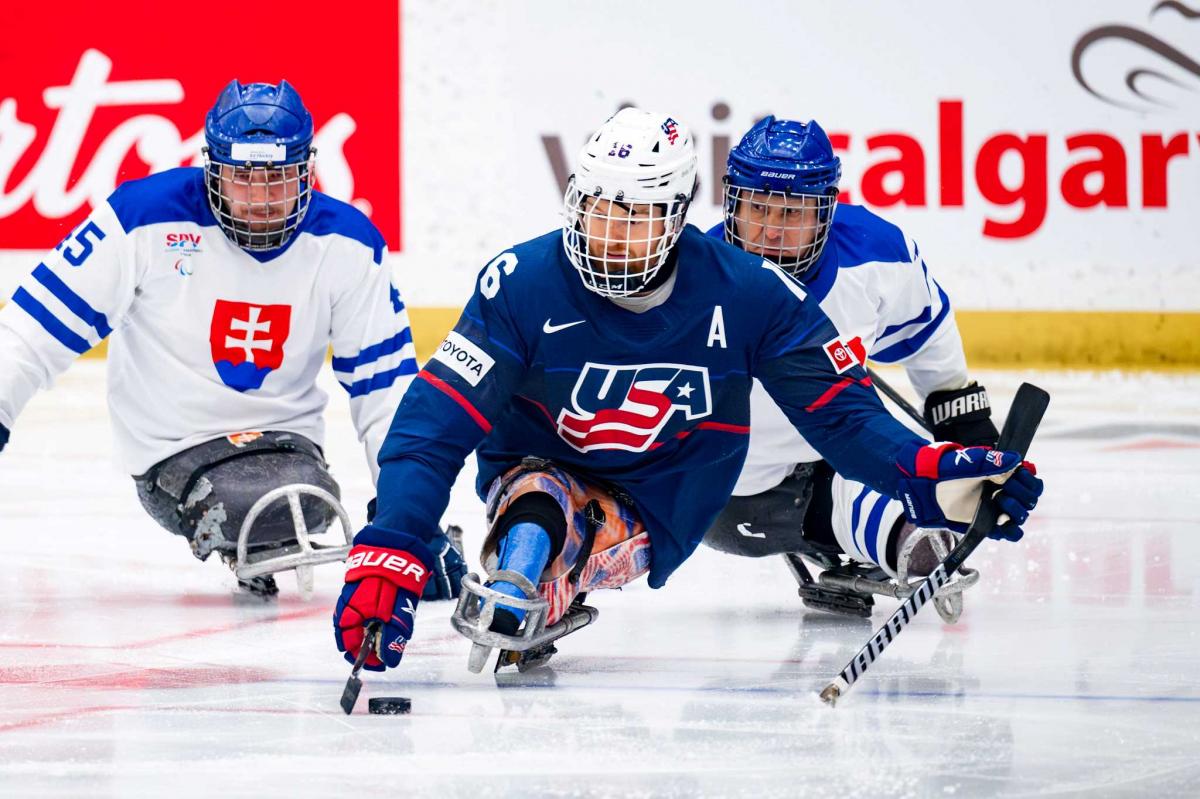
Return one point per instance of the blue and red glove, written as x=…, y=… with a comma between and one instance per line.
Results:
x=942, y=484
x=386, y=572
x=448, y=565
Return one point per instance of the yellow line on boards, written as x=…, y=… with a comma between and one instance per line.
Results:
x=1081, y=339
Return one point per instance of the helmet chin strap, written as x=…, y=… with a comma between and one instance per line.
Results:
x=660, y=278
x=662, y=275
x=270, y=239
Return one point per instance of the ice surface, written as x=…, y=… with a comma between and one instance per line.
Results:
x=129, y=669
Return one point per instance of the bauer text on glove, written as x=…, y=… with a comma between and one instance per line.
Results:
x=386, y=572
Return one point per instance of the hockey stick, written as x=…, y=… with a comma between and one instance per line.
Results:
x=1028, y=407
x=894, y=395
x=354, y=684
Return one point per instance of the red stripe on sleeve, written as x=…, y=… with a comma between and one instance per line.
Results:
x=545, y=411
x=721, y=427
x=830, y=393
x=452, y=393
x=724, y=427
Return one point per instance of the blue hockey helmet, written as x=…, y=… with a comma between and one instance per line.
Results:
x=257, y=160
x=781, y=188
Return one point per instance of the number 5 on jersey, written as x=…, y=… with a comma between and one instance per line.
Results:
x=77, y=257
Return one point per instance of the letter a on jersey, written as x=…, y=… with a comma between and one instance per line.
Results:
x=716, y=330
x=247, y=341
x=627, y=407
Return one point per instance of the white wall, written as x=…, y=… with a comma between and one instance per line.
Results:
x=484, y=81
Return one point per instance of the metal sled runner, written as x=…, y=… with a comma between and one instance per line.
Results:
x=847, y=588
x=302, y=555
x=532, y=644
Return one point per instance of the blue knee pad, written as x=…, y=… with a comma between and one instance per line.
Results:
x=525, y=550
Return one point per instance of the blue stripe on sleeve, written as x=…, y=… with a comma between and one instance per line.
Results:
x=797, y=341
x=504, y=347
x=856, y=508
x=923, y=316
x=381, y=380
x=374, y=352
x=67, y=337
x=491, y=339
x=872, y=532
x=911, y=345
x=73, y=301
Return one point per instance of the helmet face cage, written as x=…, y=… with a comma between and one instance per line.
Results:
x=788, y=229
x=259, y=206
x=619, y=245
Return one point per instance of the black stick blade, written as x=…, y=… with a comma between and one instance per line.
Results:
x=1030, y=403
x=350, y=693
x=354, y=684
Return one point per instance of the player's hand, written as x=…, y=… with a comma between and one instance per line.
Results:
x=448, y=565
x=942, y=484
x=385, y=575
x=448, y=569
x=3, y=437
x=963, y=415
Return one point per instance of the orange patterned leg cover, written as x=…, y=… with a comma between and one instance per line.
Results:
x=620, y=552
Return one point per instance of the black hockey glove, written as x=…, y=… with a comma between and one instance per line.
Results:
x=3, y=437
x=962, y=415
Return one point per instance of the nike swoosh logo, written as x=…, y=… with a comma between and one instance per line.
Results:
x=744, y=529
x=549, y=328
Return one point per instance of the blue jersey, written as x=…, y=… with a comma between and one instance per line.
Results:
x=656, y=403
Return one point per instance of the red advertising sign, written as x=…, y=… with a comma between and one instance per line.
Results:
x=93, y=96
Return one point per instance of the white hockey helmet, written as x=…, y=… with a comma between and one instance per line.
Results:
x=625, y=205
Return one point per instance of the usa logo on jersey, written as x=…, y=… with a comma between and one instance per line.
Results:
x=627, y=407
x=247, y=341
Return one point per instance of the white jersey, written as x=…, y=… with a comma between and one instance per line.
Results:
x=208, y=339
x=872, y=283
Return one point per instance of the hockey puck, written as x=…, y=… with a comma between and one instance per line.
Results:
x=389, y=705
